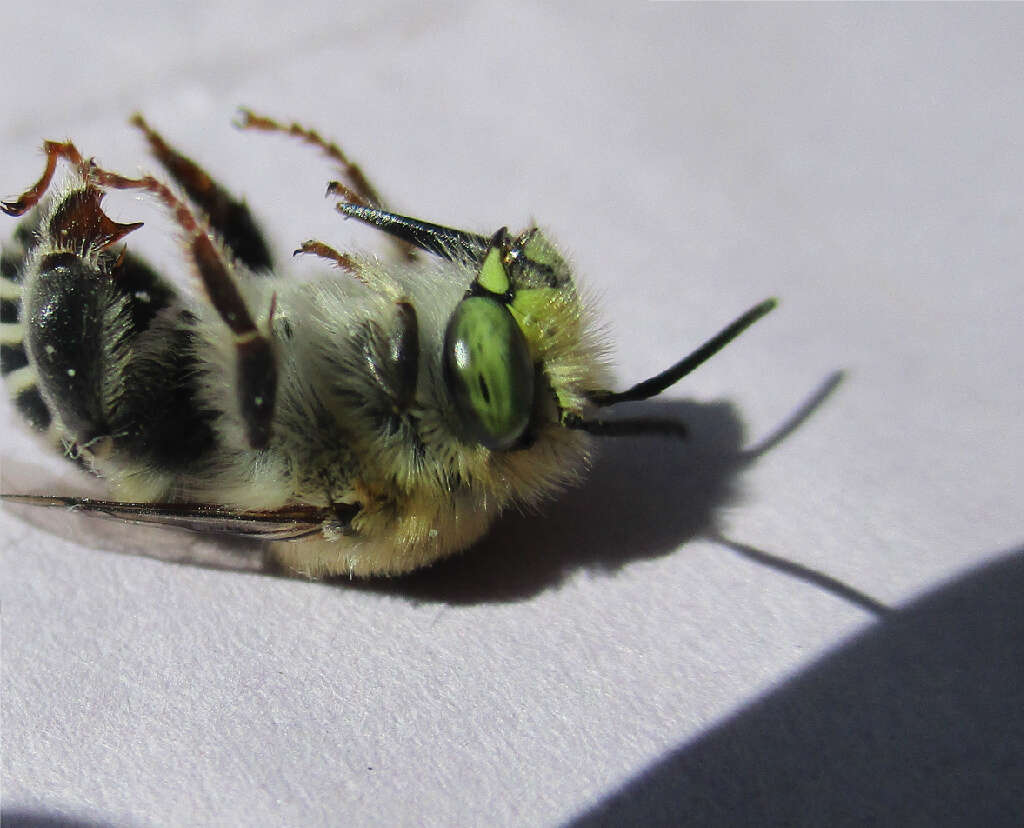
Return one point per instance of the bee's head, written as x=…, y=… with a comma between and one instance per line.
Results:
x=516, y=355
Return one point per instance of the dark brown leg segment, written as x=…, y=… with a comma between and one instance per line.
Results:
x=229, y=217
x=30, y=198
x=78, y=223
x=257, y=368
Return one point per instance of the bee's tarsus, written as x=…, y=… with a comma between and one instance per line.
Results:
x=55, y=150
x=325, y=251
x=363, y=191
x=336, y=188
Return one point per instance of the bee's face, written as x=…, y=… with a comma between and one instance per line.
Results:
x=519, y=352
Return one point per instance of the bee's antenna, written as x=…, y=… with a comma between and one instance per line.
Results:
x=627, y=427
x=445, y=242
x=656, y=384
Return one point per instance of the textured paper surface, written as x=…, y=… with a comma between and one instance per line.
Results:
x=826, y=629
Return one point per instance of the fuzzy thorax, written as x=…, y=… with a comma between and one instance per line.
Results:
x=424, y=491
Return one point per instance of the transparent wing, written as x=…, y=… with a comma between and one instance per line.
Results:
x=290, y=523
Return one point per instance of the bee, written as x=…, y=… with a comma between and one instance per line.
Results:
x=368, y=420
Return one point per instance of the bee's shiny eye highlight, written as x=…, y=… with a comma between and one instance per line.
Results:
x=489, y=371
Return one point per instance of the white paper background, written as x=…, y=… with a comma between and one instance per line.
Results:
x=611, y=659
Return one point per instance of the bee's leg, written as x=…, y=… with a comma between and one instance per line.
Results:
x=377, y=281
x=255, y=360
x=325, y=251
x=229, y=217
x=357, y=188
x=55, y=151
x=392, y=352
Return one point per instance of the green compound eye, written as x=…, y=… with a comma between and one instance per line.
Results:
x=488, y=369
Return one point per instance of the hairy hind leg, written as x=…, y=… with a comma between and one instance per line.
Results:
x=255, y=362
